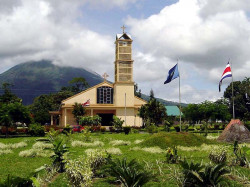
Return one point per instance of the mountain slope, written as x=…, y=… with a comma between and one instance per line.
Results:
x=164, y=102
x=32, y=79
x=35, y=78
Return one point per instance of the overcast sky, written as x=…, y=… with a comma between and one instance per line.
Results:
x=202, y=34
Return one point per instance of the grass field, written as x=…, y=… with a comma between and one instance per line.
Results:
x=146, y=148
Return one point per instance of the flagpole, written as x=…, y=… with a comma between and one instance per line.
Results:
x=125, y=110
x=179, y=92
x=232, y=88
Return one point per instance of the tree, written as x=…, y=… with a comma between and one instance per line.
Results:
x=137, y=93
x=153, y=111
x=79, y=84
x=12, y=113
x=191, y=113
x=151, y=95
x=241, y=91
x=207, y=110
x=44, y=103
x=78, y=111
x=8, y=96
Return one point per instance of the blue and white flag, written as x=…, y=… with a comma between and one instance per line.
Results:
x=172, y=74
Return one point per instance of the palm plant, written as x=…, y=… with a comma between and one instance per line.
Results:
x=130, y=174
x=59, y=149
x=194, y=176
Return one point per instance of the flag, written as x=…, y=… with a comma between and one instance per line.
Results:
x=172, y=74
x=227, y=73
x=87, y=103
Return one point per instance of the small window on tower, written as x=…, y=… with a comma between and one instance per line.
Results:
x=125, y=43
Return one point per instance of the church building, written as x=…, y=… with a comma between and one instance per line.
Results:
x=107, y=99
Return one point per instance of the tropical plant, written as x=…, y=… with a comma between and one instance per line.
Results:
x=117, y=122
x=218, y=156
x=130, y=174
x=78, y=111
x=127, y=130
x=240, y=155
x=210, y=176
x=151, y=127
x=19, y=182
x=153, y=111
x=59, y=149
x=90, y=120
x=172, y=156
x=78, y=172
x=36, y=129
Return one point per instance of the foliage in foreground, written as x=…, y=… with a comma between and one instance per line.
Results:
x=129, y=173
x=80, y=171
x=195, y=176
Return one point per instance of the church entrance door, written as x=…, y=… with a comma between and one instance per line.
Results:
x=106, y=119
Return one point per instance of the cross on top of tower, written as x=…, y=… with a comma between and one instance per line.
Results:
x=123, y=29
x=105, y=76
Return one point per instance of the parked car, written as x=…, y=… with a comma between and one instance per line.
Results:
x=77, y=128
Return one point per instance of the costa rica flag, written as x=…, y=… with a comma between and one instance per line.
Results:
x=87, y=103
x=227, y=73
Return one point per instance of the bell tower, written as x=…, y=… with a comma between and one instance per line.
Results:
x=124, y=84
x=123, y=58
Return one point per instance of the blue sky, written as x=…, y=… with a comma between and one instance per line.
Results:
x=203, y=35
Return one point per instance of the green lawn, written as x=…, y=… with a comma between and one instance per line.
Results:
x=13, y=164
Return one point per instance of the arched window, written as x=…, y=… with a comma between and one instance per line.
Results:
x=105, y=95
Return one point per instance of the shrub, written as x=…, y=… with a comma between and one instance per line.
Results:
x=90, y=120
x=95, y=128
x=167, y=125
x=67, y=129
x=6, y=151
x=138, y=141
x=84, y=144
x=149, y=149
x=114, y=151
x=119, y=142
x=247, y=125
x=17, y=145
x=218, y=156
x=36, y=129
x=80, y=171
x=127, y=130
x=86, y=134
x=36, y=153
x=42, y=145
x=129, y=173
x=151, y=128
x=240, y=155
x=177, y=128
x=111, y=129
x=117, y=122
x=134, y=130
x=211, y=176
x=172, y=156
x=103, y=129
x=17, y=181
x=59, y=149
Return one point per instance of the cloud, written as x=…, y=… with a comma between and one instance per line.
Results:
x=213, y=7
x=203, y=35
x=29, y=33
